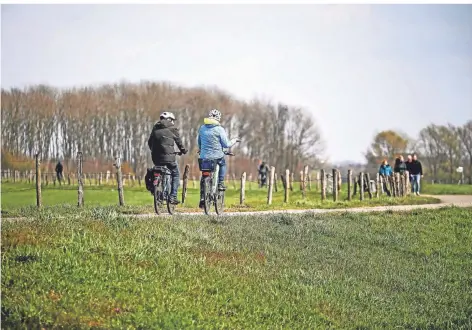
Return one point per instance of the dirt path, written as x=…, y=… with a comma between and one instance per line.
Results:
x=446, y=200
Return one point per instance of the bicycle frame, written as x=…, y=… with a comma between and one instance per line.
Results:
x=214, y=178
x=165, y=178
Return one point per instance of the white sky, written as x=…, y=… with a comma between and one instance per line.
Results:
x=358, y=69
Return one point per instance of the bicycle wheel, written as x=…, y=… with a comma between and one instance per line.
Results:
x=157, y=197
x=220, y=202
x=170, y=206
x=207, y=195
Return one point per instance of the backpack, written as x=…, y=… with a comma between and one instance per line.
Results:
x=148, y=180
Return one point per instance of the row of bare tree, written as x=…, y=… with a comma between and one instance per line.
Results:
x=110, y=120
x=441, y=148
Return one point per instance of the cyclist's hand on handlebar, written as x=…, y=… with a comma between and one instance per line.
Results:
x=235, y=140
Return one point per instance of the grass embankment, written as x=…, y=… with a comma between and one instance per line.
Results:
x=20, y=198
x=104, y=270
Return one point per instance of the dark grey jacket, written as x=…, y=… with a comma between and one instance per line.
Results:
x=161, y=142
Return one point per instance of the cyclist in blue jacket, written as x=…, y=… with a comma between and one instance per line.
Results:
x=212, y=140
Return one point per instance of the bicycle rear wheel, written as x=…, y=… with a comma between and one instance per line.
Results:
x=220, y=202
x=157, y=197
x=207, y=195
x=170, y=206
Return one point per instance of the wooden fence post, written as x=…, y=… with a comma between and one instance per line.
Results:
x=369, y=188
x=242, y=189
x=38, y=182
x=397, y=184
x=393, y=190
x=305, y=180
x=271, y=185
x=402, y=184
x=339, y=182
x=80, y=187
x=301, y=184
x=349, y=185
x=275, y=182
x=292, y=178
x=355, y=185
x=407, y=179
x=323, y=184
x=318, y=180
x=361, y=186
x=119, y=178
x=335, y=185
x=309, y=181
x=286, y=184
x=377, y=185
x=250, y=181
x=107, y=177
x=185, y=182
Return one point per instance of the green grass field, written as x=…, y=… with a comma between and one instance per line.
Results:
x=19, y=198
x=348, y=271
x=446, y=189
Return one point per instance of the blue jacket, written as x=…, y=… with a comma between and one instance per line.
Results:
x=212, y=139
x=385, y=170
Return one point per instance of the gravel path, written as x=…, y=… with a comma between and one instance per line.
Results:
x=446, y=200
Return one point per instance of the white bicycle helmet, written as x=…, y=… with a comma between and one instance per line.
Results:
x=215, y=114
x=167, y=115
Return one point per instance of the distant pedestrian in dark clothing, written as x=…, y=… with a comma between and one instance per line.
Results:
x=408, y=165
x=385, y=172
x=59, y=169
x=400, y=165
x=263, y=170
x=416, y=172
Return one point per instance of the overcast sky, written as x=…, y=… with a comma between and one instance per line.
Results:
x=358, y=69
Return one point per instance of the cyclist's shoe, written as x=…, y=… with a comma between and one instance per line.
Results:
x=201, y=204
x=221, y=186
x=173, y=200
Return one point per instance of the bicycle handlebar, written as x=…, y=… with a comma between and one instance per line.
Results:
x=227, y=153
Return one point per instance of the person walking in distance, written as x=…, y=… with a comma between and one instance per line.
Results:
x=408, y=167
x=385, y=172
x=416, y=172
x=59, y=169
x=263, y=170
x=400, y=165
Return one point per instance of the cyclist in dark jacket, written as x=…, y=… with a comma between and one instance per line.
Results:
x=161, y=143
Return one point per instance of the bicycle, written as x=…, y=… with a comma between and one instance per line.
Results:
x=162, y=187
x=211, y=194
